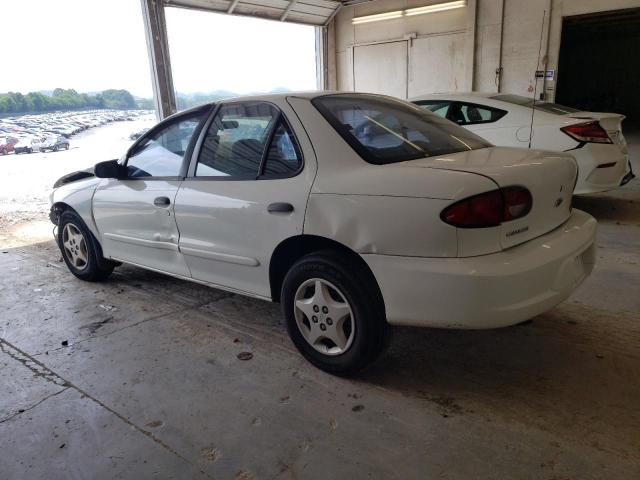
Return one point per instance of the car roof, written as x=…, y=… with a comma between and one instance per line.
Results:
x=277, y=97
x=468, y=96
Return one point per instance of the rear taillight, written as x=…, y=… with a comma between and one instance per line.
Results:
x=489, y=209
x=589, y=132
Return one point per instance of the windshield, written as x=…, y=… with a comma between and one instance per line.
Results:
x=383, y=130
x=542, y=106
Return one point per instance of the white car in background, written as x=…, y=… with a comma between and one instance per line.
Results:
x=594, y=139
x=28, y=145
x=354, y=211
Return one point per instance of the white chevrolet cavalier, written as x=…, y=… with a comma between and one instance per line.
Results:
x=354, y=211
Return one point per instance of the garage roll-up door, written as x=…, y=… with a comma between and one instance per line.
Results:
x=436, y=64
x=381, y=68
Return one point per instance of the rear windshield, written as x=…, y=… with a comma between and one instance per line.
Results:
x=382, y=130
x=542, y=106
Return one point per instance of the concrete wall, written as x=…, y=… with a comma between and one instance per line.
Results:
x=530, y=34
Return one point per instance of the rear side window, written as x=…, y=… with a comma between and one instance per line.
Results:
x=382, y=130
x=469, y=114
x=440, y=108
x=235, y=142
x=283, y=157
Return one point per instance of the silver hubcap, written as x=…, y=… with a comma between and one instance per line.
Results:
x=74, y=246
x=324, y=317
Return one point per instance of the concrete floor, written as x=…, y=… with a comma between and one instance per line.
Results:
x=139, y=377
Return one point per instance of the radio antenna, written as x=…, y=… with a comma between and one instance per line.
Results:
x=535, y=78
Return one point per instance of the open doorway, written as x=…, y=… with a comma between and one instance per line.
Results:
x=599, y=63
x=216, y=56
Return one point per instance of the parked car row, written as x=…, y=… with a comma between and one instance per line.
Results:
x=42, y=144
x=51, y=131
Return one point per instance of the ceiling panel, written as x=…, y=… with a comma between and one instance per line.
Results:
x=308, y=12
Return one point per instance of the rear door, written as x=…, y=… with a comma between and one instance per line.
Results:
x=135, y=214
x=246, y=192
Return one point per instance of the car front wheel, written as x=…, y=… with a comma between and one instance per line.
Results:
x=333, y=312
x=80, y=250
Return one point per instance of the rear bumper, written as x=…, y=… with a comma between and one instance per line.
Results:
x=488, y=291
x=601, y=168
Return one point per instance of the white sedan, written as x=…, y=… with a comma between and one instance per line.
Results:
x=354, y=211
x=594, y=139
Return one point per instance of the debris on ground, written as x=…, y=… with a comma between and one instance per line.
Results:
x=357, y=408
x=210, y=454
x=245, y=356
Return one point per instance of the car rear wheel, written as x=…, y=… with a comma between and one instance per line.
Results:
x=333, y=312
x=3, y=151
x=80, y=249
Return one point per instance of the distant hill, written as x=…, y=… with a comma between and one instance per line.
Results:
x=64, y=99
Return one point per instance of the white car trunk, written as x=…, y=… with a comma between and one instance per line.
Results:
x=549, y=176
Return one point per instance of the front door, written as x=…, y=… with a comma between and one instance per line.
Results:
x=135, y=214
x=246, y=192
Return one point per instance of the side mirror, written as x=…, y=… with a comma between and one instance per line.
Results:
x=108, y=169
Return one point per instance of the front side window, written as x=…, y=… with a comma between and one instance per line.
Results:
x=382, y=130
x=162, y=153
x=235, y=141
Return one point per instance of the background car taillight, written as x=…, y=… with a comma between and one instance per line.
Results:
x=489, y=209
x=590, y=132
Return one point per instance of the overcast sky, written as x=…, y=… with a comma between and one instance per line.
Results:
x=93, y=45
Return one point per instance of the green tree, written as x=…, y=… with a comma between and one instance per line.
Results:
x=67, y=99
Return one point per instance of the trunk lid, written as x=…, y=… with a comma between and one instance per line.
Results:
x=549, y=176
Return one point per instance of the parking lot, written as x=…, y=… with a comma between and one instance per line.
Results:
x=27, y=179
x=146, y=376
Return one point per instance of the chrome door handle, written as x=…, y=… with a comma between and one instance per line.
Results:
x=280, y=207
x=162, y=202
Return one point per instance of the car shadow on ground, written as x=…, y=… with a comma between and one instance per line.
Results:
x=608, y=208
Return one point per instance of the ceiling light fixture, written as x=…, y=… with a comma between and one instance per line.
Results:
x=438, y=7
x=377, y=18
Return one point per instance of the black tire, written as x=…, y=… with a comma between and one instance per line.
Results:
x=29, y=150
x=96, y=267
x=358, y=287
x=3, y=151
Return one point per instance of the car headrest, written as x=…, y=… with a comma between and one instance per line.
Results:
x=474, y=115
x=248, y=149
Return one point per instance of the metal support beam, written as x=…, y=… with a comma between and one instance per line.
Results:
x=322, y=67
x=232, y=7
x=283, y=17
x=155, y=28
